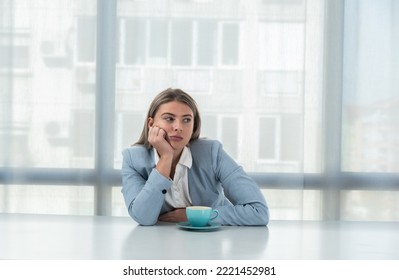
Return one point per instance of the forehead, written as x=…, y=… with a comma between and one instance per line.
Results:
x=175, y=108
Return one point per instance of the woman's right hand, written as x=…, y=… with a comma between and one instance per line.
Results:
x=157, y=137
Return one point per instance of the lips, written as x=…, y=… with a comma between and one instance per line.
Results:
x=175, y=138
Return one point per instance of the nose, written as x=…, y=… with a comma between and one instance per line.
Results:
x=178, y=126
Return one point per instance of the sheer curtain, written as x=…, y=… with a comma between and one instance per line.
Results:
x=370, y=118
x=302, y=93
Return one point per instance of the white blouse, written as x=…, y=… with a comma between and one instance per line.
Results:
x=178, y=195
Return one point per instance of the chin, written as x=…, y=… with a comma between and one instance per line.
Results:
x=179, y=146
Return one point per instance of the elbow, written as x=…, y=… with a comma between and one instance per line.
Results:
x=141, y=218
x=266, y=216
x=143, y=221
x=263, y=216
x=258, y=215
x=146, y=223
x=265, y=219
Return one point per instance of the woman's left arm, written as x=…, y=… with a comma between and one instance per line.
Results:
x=249, y=206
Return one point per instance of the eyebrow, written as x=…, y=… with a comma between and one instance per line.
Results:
x=186, y=115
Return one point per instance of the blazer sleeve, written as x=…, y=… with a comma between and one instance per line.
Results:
x=248, y=205
x=143, y=187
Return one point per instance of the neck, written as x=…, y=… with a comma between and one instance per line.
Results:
x=176, y=157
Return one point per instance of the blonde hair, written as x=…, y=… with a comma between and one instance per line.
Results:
x=166, y=96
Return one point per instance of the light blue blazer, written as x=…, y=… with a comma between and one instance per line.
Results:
x=214, y=180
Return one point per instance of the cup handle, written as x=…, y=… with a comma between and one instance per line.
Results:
x=215, y=216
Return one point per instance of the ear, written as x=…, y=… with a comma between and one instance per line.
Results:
x=150, y=122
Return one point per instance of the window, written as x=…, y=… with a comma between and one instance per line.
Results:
x=86, y=39
x=181, y=43
x=194, y=81
x=268, y=139
x=280, y=82
x=129, y=126
x=303, y=94
x=280, y=46
x=207, y=43
x=230, y=46
x=159, y=43
x=230, y=135
x=184, y=42
x=224, y=128
x=280, y=140
x=48, y=199
x=14, y=51
x=83, y=129
x=134, y=50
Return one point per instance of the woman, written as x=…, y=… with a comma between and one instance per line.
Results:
x=170, y=168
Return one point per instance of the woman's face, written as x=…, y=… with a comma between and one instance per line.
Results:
x=177, y=119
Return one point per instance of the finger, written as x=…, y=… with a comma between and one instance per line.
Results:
x=166, y=217
x=154, y=131
x=162, y=133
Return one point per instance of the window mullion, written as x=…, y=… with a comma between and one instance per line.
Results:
x=105, y=104
x=333, y=107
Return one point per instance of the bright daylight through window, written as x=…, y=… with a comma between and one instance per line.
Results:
x=302, y=93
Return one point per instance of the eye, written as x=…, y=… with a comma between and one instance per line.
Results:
x=187, y=120
x=168, y=119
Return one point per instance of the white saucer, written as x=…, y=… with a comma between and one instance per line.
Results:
x=187, y=225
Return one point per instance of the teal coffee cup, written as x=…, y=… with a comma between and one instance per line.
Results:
x=200, y=216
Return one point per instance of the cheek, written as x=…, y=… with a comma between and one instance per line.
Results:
x=190, y=130
x=162, y=124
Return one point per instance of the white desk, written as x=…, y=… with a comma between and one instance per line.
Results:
x=81, y=237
